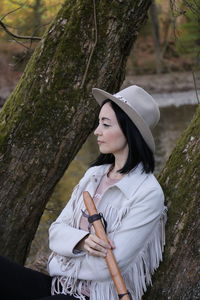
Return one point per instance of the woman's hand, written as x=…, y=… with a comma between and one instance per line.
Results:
x=95, y=246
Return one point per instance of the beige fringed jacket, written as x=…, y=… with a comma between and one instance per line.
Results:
x=135, y=212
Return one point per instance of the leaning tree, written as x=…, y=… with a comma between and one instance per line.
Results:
x=178, y=276
x=50, y=113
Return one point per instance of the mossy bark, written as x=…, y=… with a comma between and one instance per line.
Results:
x=178, y=275
x=51, y=111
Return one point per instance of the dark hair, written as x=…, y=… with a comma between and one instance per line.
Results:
x=139, y=151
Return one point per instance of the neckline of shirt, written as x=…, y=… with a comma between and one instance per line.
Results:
x=108, y=179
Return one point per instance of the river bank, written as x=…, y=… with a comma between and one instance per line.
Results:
x=166, y=82
x=170, y=88
x=154, y=83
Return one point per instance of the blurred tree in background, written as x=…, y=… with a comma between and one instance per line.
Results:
x=21, y=18
x=28, y=17
x=170, y=39
x=189, y=37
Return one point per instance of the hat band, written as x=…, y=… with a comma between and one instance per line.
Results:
x=121, y=98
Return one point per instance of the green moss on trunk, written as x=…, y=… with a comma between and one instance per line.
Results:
x=177, y=276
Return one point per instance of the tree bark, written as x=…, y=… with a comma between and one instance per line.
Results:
x=51, y=111
x=178, y=275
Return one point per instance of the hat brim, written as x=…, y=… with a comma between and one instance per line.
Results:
x=101, y=95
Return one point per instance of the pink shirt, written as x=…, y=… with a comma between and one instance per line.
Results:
x=103, y=186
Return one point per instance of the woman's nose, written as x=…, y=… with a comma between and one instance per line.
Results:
x=97, y=131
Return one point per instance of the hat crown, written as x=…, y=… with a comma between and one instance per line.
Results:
x=143, y=103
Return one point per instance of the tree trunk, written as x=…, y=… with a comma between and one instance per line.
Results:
x=178, y=277
x=38, y=10
x=51, y=111
x=156, y=35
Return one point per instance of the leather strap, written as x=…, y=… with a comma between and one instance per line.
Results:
x=122, y=295
x=94, y=218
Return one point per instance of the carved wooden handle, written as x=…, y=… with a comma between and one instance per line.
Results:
x=110, y=258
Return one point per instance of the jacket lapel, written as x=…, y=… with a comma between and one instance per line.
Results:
x=132, y=181
x=128, y=184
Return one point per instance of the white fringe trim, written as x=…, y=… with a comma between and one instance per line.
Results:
x=115, y=217
x=137, y=277
x=68, y=285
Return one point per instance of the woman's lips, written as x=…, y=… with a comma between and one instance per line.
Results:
x=100, y=142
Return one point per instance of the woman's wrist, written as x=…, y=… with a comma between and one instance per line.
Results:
x=80, y=245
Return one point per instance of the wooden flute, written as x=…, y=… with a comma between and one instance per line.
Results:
x=110, y=258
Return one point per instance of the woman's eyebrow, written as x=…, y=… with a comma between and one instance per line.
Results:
x=104, y=118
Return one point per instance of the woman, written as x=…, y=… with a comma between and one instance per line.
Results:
x=125, y=191
x=127, y=194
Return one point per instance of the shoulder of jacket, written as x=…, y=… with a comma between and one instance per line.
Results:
x=156, y=185
x=152, y=181
x=151, y=188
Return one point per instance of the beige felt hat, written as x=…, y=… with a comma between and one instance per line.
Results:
x=138, y=105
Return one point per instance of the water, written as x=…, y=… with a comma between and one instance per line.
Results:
x=177, y=99
x=177, y=110
x=173, y=121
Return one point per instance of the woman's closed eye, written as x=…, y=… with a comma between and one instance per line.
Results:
x=106, y=125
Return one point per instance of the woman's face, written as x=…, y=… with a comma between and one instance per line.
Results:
x=110, y=137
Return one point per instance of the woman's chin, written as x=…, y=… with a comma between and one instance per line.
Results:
x=104, y=152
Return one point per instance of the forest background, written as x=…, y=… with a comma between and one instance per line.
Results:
x=165, y=58
x=168, y=43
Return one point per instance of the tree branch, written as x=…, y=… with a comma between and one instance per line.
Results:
x=195, y=86
x=18, y=36
x=10, y=12
x=21, y=4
